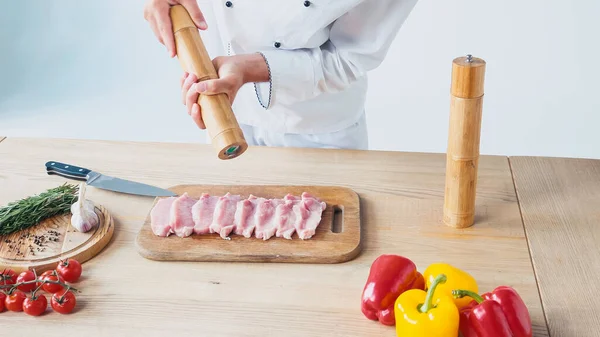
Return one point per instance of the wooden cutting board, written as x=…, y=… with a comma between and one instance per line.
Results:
x=41, y=247
x=337, y=238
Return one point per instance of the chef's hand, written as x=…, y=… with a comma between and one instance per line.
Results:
x=233, y=71
x=156, y=12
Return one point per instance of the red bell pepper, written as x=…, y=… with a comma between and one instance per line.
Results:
x=500, y=313
x=390, y=276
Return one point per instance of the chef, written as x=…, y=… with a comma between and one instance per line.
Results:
x=295, y=71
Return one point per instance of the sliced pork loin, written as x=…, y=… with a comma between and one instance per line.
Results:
x=159, y=217
x=202, y=213
x=266, y=219
x=222, y=222
x=255, y=216
x=244, y=216
x=286, y=217
x=180, y=219
x=308, y=215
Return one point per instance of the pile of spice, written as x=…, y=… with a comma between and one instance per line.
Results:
x=34, y=243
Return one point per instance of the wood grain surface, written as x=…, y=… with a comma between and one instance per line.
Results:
x=401, y=198
x=560, y=202
x=57, y=240
x=328, y=245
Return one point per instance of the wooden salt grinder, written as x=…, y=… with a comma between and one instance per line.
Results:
x=462, y=159
x=221, y=124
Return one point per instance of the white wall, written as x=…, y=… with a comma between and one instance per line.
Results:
x=68, y=65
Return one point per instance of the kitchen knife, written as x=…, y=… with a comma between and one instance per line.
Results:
x=102, y=181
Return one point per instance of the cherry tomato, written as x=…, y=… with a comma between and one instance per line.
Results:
x=2, y=299
x=35, y=306
x=52, y=287
x=14, y=302
x=69, y=270
x=41, y=277
x=7, y=277
x=63, y=301
x=24, y=277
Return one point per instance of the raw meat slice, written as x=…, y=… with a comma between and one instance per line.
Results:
x=291, y=197
x=266, y=221
x=308, y=215
x=159, y=217
x=285, y=219
x=224, y=215
x=306, y=196
x=202, y=213
x=255, y=216
x=244, y=219
x=180, y=219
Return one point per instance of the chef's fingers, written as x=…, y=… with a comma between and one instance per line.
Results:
x=150, y=17
x=197, y=116
x=220, y=86
x=195, y=13
x=185, y=88
x=165, y=28
x=191, y=97
x=213, y=87
x=182, y=78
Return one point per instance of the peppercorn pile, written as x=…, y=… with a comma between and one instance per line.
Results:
x=32, y=243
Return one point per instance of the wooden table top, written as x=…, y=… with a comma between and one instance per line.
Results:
x=560, y=201
x=401, y=199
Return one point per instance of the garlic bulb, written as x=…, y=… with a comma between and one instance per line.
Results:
x=83, y=216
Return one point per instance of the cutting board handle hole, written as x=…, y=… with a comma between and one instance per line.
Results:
x=337, y=223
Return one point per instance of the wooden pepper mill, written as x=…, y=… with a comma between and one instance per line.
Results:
x=462, y=159
x=222, y=126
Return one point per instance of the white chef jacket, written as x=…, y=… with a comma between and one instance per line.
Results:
x=318, y=53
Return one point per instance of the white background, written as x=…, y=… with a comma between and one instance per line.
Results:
x=69, y=66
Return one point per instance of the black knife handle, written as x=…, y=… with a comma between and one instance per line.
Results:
x=67, y=171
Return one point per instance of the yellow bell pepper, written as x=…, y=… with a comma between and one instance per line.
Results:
x=419, y=313
x=456, y=279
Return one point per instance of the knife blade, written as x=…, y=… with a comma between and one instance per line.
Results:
x=105, y=182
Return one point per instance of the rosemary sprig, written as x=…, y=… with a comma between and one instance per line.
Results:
x=28, y=212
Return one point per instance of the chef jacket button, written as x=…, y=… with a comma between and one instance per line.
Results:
x=228, y=4
x=306, y=3
x=277, y=44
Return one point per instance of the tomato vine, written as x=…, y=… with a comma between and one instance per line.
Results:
x=25, y=291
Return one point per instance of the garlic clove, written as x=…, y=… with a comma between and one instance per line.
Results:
x=82, y=224
x=83, y=216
